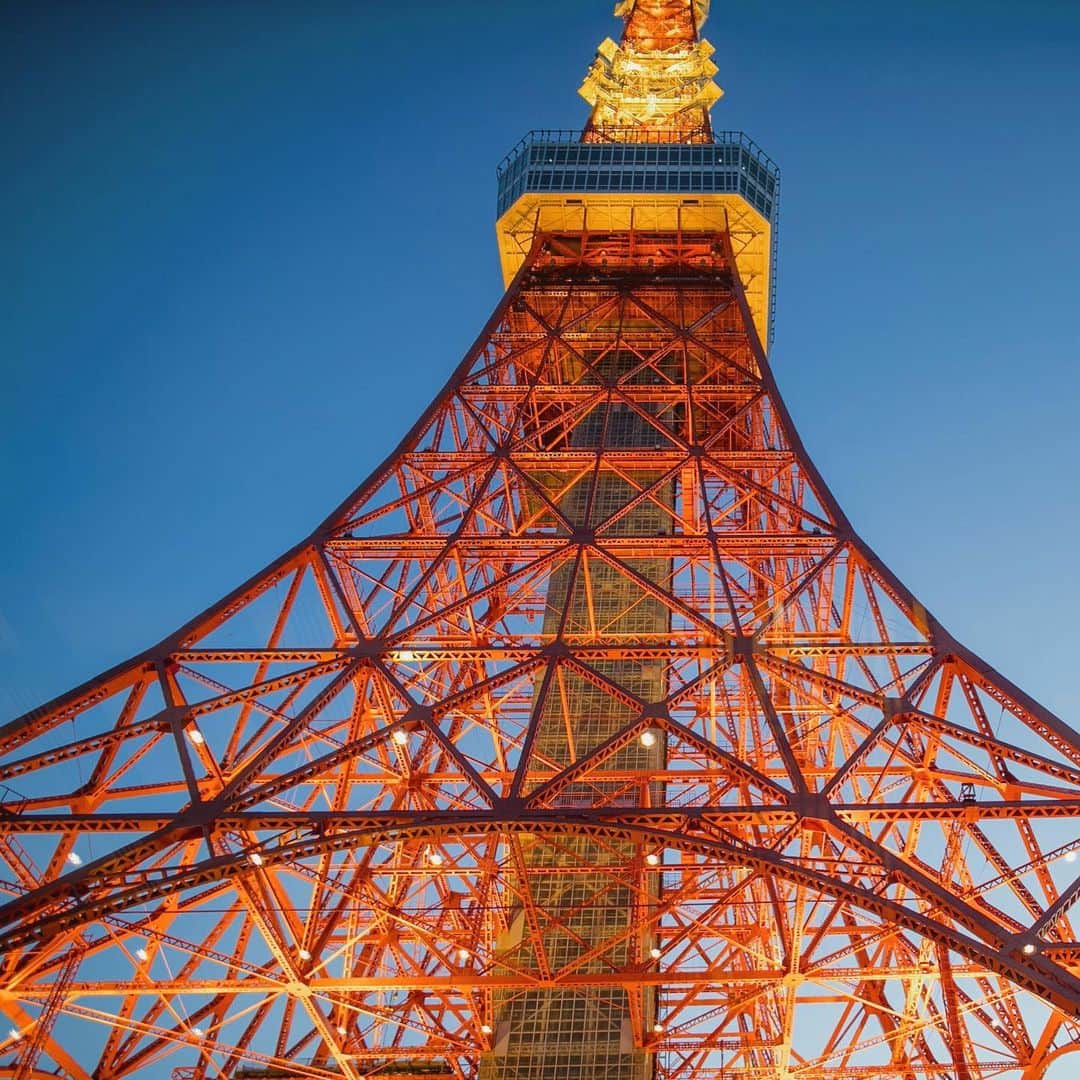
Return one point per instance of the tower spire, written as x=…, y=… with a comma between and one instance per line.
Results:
x=657, y=85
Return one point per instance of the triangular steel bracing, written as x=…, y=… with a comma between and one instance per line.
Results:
x=588, y=709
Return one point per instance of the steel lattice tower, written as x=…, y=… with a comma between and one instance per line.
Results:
x=584, y=739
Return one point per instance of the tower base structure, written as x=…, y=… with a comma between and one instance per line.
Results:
x=588, y=703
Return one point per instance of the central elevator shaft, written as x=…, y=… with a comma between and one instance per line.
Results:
x=593, y=900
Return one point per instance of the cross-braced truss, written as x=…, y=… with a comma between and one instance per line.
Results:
x=590, y=691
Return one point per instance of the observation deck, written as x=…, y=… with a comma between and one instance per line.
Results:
x=551, y=181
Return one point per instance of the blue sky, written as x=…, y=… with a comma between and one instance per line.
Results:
x=246, y=244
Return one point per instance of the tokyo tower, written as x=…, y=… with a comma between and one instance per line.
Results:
x=585, y=739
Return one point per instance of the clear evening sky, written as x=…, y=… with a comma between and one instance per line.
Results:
x=245, y=244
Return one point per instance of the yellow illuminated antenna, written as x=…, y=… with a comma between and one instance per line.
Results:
x=657, y=85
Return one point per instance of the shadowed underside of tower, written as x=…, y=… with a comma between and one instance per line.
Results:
x=585, y=739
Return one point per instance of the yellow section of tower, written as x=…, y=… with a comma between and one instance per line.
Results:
x=629, y=88
x=563, y=212
x=658, y=82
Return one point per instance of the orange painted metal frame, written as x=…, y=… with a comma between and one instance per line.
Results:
x=862, y=869
x=289, y=839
